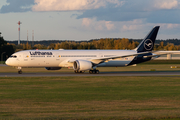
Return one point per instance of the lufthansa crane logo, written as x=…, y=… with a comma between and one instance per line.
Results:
x=148, y=44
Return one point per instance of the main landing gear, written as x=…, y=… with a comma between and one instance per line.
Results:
x=19, y=70
x=76, y=71
x=94, y=71
x=90, y=71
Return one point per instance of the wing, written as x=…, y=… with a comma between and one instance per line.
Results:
x=155, y=54
x=166, y=52
x=159, y=53
x=101, y=60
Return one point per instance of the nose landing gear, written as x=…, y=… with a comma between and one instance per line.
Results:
x=19, y=70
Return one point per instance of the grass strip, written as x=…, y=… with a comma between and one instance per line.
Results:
x=90, y=98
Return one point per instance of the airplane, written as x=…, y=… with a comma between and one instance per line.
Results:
x=85, y=60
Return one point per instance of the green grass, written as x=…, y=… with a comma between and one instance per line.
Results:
x=90, y=98
x=143, y=98
x=2, y=62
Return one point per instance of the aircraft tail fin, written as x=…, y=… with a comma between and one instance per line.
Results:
x=148, y=42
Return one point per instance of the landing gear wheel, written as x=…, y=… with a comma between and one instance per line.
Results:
x=94, y=71
x=76, y=71
x=20, y=72
x=97, y=71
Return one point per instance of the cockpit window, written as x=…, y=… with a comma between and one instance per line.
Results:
x=13, y=56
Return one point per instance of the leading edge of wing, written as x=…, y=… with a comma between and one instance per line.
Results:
x=101, y=60
x=123, y=56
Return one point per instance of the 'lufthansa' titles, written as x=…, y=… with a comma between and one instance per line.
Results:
x=41, y=53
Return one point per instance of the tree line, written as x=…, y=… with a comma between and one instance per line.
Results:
x=8, y=48
x=48, y=42
x=103, y=43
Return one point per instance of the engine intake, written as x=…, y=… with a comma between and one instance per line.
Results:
x=82, y=65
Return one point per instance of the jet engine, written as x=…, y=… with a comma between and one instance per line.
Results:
x=53, y=68
x=82, y=65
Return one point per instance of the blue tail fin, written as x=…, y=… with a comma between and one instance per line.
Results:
x=148, y=43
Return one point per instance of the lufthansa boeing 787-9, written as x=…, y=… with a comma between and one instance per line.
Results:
x=85, y=60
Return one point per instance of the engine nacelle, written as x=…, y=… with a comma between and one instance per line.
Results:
x=53, y=68
x=82, y=65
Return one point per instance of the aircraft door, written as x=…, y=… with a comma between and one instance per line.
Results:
x=100, y=55
x=58, y=56
x=26, y=57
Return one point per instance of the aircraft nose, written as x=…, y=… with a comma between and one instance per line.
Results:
x=8, y=62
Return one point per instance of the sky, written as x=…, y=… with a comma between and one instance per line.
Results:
x=89, y=19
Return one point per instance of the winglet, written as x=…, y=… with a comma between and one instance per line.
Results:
x=148, y=43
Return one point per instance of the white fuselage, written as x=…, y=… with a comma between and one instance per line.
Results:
x=65, y=58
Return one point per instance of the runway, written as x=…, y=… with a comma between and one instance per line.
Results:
x=61, y=74
x=3, y=65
